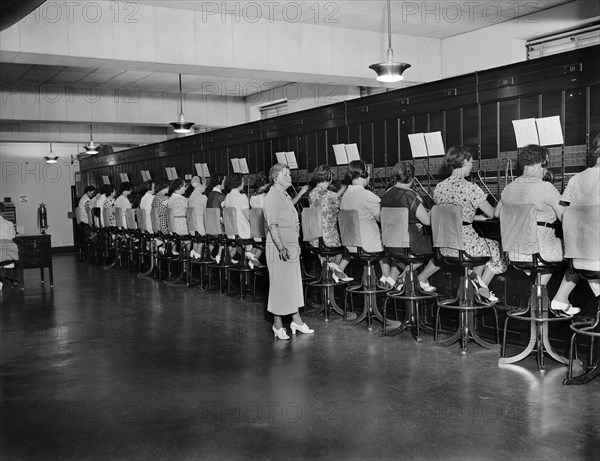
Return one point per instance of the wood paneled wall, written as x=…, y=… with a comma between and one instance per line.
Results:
x=475, y=109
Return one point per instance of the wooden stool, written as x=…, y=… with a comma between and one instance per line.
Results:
x=583, y=243
x=396, y=243
x=350, y=236
x=446, y=226
x=518, y=227
x=312, y=229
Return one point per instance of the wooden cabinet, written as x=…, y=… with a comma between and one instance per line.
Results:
x=35, y=252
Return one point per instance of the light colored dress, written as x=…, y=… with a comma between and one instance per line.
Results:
x=257, y=201
x=146, y=205
x=583, y=189
x=82, y=209
x=368, y=206
x=542, y=195
x=197, y=200
x=100, y=204
x=8, y=249
x=179, y=204
x=459, y=191
x=123, y=203
x=285, y=277
x=329, y=202
x=240, y=202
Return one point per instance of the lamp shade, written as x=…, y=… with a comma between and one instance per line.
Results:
x=182, y=126
x=390, y=72
x=51, y=158
x=91, y=148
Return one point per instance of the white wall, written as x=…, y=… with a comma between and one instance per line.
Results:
x=504, y=43
x=25, y=172
x=301, y=96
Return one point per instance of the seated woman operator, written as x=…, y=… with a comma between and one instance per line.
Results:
x=179, y=204
x=401, y=195
x=358, y=198
x=235, y=183
x=530, y=188
x=583, y=189
x=456, y=190
x=329, y=203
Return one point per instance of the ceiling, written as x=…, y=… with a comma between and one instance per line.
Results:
x=28, y=75
x=427, y=18
x=423, y=18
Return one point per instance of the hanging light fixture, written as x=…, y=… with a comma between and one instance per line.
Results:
x=51, y=158
x=390, y=71
x=91, y=148
x=181, y=126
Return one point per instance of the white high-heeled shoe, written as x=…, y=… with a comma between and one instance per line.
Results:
x=252, y=260
x=338, y=274
x=426, y=287
x=281, y=333
x=560, y=309
x=301, y=328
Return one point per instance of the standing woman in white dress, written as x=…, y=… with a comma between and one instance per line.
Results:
x=283, y=254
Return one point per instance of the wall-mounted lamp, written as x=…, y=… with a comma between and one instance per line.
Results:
x=390, y=71
x=91, y=148
x=181, y=126
x=51, y=158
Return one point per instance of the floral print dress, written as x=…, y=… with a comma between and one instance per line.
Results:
x=110, y=204
x=329, y=202
x=459, y=191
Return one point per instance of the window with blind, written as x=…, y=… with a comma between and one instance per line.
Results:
x=566, y=41
x=274, y=109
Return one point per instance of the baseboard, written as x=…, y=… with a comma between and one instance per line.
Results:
x=65, y=249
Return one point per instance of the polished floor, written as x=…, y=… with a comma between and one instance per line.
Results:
x=110, y=366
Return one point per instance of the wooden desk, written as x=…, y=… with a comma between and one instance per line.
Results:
x=34, y=252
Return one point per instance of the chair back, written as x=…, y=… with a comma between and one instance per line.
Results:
x=96, y=217
x=258, y=226
x=581, y=231
x=155, y=220
x=77, y=215
x=349, y=228
x=130, y=219
x=212, y=221
x=446, y=227
x=312, y=223
x=518, y=230
x=394, y=227
x=120, y=218
x=105, y=217
x=195, y=221
x=88, y=211
x=140, y=215
x=230, y=221
x=171, y=220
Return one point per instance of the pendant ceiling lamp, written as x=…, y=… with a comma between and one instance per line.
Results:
x=390, y=71
x=91, y=148
x=51, y=158
x=181, y=126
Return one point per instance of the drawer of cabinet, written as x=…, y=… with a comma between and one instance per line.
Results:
x=33, y=243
